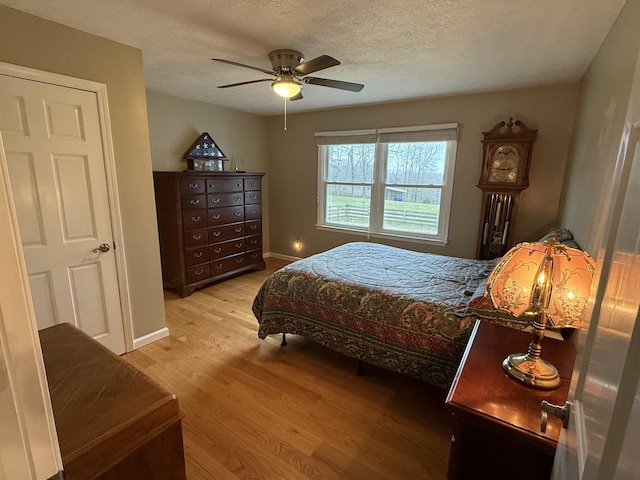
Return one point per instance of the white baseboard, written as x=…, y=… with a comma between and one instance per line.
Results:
x=150, y=338
x=282, y=257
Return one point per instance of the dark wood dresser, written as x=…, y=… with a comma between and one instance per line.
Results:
x=113, y=422
x=496, y=419
x=210, y=226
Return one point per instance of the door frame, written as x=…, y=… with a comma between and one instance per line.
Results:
x=100, y=90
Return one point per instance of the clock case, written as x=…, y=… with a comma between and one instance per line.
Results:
x=500, y=199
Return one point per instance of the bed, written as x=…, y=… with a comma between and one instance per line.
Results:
x=406, y=311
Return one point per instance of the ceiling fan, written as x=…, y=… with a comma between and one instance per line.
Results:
x=290, y=72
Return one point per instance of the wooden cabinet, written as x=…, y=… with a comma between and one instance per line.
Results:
x=113, y=422
x=210, y=226
x=496, y=427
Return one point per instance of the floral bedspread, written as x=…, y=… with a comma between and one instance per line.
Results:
x=406, y=311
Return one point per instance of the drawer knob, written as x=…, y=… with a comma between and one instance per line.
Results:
x=195, y=219
x=240, y=260
x=215, y=216
x=237, y=214
x=253, y=242
x=217, y=250
x=253, y=227
x=199, y=272
x=193, y=185
x=218, y=266
x=197, y=255
x=195, y=202
x=216, y=200
x=238, y=230
x=237, y=199
x=197, y=237
x=238, y=245
x=216, y=234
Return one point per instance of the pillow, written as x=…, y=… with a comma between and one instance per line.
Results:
x=482, y=307
x=562, y=235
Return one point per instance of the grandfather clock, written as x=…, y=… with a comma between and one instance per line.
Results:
x=505, y=173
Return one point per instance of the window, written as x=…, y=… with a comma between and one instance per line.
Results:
x=393, y=182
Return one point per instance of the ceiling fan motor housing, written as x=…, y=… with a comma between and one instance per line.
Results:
x=285, y=60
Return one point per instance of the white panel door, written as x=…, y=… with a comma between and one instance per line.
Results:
x=53, y=146
x=28, y=441
x=602, y=441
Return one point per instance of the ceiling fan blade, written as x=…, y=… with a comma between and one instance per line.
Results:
x=325, y=82
x=315, y=64
x=297, y=97
x=270, y=72
x=246, y=83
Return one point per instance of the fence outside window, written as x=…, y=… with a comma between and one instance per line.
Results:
x=394, y=219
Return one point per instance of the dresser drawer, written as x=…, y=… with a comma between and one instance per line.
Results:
x=194, y=201
x=226, y=232
x=193, y=256
x=227, y=264
x=253, y=256
x=252, y=184
x=222, y=185
x=251, y=197
x=225, y=249
x=198, y=273
x=215, y=200
x=194, y=238
x=253, y=227
x=219, y=216
x=254, y=243
x=192, y=185
x=194, y=219
x=252, y=212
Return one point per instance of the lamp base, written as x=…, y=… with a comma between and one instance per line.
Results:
x=534, y=372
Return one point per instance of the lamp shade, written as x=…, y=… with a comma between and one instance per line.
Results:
x=286, y=86
x=549, y=278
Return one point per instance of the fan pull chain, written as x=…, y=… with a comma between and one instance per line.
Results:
x=285, y=114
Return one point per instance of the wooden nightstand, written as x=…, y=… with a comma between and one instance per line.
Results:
x=496, y=428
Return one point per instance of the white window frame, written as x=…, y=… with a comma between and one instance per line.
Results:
x=441, y=132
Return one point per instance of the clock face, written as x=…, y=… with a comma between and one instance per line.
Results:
x=504, y=164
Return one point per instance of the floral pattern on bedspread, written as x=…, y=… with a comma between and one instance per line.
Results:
x=406, y=311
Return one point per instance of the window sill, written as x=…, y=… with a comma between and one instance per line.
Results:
x=400, y=236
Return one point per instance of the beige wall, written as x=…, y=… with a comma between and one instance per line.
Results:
x=32, y=42
x=175, y=123
x=602, y=106
x=293, y=162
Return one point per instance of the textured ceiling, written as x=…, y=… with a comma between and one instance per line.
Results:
x=399, y=49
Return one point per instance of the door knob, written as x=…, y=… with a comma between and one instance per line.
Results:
x=105, y=247
x=560, y=411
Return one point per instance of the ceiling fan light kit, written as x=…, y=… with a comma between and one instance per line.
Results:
x=286, y=86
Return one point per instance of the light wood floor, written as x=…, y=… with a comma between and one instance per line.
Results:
x=254, y=410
